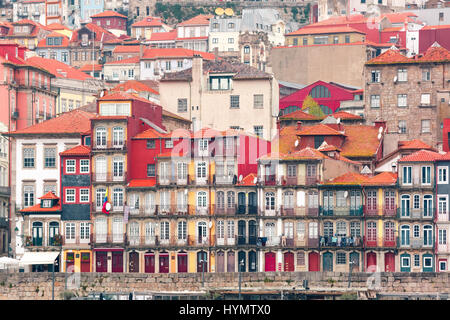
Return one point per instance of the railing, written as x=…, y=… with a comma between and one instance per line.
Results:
x=77, y=240
x=166, y=180
x=198, y=241
x=113, y=208
x=108, y=238
x=382, y=242
x=311, y=181
x=416, y=213
x=287, y=211
x=269, y=212
x=135, y=241
x=202, y=211
x=108, y=177
x=144, y=211
x=313, y=212
x=416, y=243
x=340, y=241
x=224, y=179
x=289, y=180
x=313, y=242
x=341, y=211
x=270, y=180
x=193, y=180
x=110, y=146
x=225, y=241
x=244, y=240
x=173, y=210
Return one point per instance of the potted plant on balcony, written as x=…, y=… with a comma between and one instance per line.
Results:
x=57, y=240
x=28, y=241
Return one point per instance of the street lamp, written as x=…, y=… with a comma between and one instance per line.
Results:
x=203, y=272
x=241, y=263
x=350, y=273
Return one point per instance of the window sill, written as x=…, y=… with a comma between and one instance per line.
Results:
x=426, y=106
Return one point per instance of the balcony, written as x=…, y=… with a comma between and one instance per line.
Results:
x=4, y=223
x=313, y=212
x=114, y=208
x=270, y=180
x=110, y=146
x=198, y=241
x=173, y=210
x=415, y=213
x=289, y=180
x=143, y=211
x=313, y=242
x=145, y=241
x=342, y=211
x=55, y=241
x=416, y=243
x=194, y=180
x=340, y=241
x=108, y=238
x=287, y=211
x=309, y=181
x=108, y=177
x=201, y=211
x=269, y=212
x=386, y=242
x=225, y=241
x=75, y=241
x=224, y=179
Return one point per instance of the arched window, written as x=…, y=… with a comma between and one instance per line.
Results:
x=201, y=199
x=100, y=194
x=247, y=49
x=270, y=201
x=100, y=169
x=118, y=136
x=230, y=199
x=427, y=235
x=182, y=230
x=118, y=197
x=220, y=200
x=406, y=204
x=404, y=235
x=134, y=233
x=100, y=137
x=53, y=231
x=320, y=92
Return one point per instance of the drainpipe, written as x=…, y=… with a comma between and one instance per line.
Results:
x=363, y=235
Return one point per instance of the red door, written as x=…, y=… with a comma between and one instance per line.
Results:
x=149, y=263
x=270, y=263
x=70, y=261
x=230, y=261
x=371, y=262
x=164, y=263
x=182, y=262
x=134, y=262
x=117, y=261
x=313, y=261
x=389, y=262
x=85, y=262
x=289, y=261
x=220, y=260
x=101, y=261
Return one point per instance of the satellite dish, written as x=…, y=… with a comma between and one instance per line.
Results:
x=379, y=136
x=102, y=93
x=395, y=79
x=108, y=206
x=229, y=12
x=210, y=224
x=219, y=11
x=346, y=194
x=255, y=180
x=338, y=120
x=240, y=178
x=380, y=130
x=296, y=143
x=185, y=191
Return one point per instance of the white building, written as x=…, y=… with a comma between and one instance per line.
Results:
x=32, y=10
x=224, y=34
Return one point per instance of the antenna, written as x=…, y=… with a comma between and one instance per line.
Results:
x=240, y=178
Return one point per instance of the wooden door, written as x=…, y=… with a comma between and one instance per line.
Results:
x=252, y=204
x=134, y=262
x=241, y=203
x=182, y=262
x=149, y=259
x=101, y=261
x=70, y=262
x=313, y=261
x=327, y=261
x=220, y=262
x=163, y=263
x=371, y=262
x=389, y=262
x=241, y=261
x=85, y=262
x=252, y=261
x=289, y=261
x=202, y=261
x=231, y=261
x=354, y=258
x=270, y=262
x=117, y=261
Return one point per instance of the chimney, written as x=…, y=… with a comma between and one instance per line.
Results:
x=141, y=50
x=299, y=125
x=380, y=123
x=197, y=68
x=394, y=167
x=216, y=53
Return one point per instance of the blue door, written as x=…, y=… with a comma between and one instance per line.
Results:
x=427, y=263
x=327, y=261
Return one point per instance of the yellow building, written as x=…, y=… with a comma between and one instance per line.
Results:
x=324, y=35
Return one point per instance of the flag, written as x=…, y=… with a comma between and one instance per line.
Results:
x=105, y=202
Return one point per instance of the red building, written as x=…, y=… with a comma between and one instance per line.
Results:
x=110, y=20
x=327, y=95
x=431, y=34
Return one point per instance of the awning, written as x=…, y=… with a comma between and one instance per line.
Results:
x=39, y=258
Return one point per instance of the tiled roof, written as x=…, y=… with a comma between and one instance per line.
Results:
x=49, y=196
x=134, y=85
x=148, y=22
x=37, y=208
x=399, y=17
x=414, y=144
x=444, y=26
x=166, y=113
x=163, y=36
x=361, y=141
x=151, y=134
x=350, y=178
x=240, y=71
x=101, y=34
x=392, y=29
x=206, y=132
x=64, y=42
x=132, y=60
x=57, y=26
x=88, y=67
x=389, y=56
x=201, y=19
x=307, y=153
x=383, y=178
x=72, y=122
x=249, y=180
x=127, y=49
x=108, y=13
x=444, y=157
x=77, y=151
x=435, y=53
x=142, y=183
x=58, y=69
x=319, y=129
x=175, y=154
x=343, y=115
x=154, y=53
x=300, y=115
x=121, y=95
x=324, y=30
x=285, y=140
x=421, y=156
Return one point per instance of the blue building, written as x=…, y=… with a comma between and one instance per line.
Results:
x=55, y=46
x=88, y=8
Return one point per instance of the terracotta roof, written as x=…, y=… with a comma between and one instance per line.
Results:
x=57, y=26
x=307, y=153
x=58, y=69
x=37, y=208
x=132, y=60
x=108, y=13
x=421, y=156
x=166, y=113
x=361, y=141
x=319, y=129
x=383, y=178
x=88, y=67
x=193, y=38
x=148, y=22
x=181, y=133
x=175, y=154
x=398, y=17
x=206, y=132
x=444, y=157
x=389, y=56
x=77, y=151
x=49, y=196
x=248, y=180
x=134, y=85
x=101, y=34
x=414, y=144
x=392, y=29
x=201, y=19
x=72, y=122
x=350, y=178
x=64, y=42
x=151, y=134
x=285, y=140
x=444, y=26
x=300, y=115
x=121, y=95
x=343, y=115
x=154, y=53
x=324, y=30
x=142, y=183
x=435, y=53
x=163, y=36
x=127, y=49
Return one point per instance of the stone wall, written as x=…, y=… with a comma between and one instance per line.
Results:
x=38, y=286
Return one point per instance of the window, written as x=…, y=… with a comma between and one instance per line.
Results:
x=258, y=101
x=305, y=41
x=335, y=39
x=355, y=229
x=427, y=235
x=84, y=195
x=84, y=166
x=46, y=203
x=230, y=25
x=230, y=40
x=320, y=40
x=151, y=170
x=405, y=262
x=201, y=170
x=300, y=258
x=201, y=199
x=168, y=143
x=375, y=75
x=85, y=230
x=70, y=166
x=118, y=167
x=443, y=265
x=300, y=231
x=258, y=131
x=347, y=39
x=375, y=101
x=182, y=170
x=425, y=99
x=320, y=92
x=442, y=236
x=416, y=201
x=404, y=235
x=402, y=126
x=117, y=197
x=70, y=195
x=270, y=201
x=215, y=40
x=182, y=105
x=341, y=258
x=416, y=231
x=234, y=102
x=203, y=146
x=402, y=100
x=168, y=65
x=70, y=231
x=247, y=49
x=182, y=230
x=230, y=229
x=49, y=157
x=416, y=260
x=28, y=157
x=220, y=83
x=405, y=205
x=426, y=126
x=118, y=136
x=151, y=144
x=100, y=137
x=442, y=204
x=292, y=170
x=328, y=229
x=165, y=230
x=426, y=74
x=28, y=196
x=402, y=75
x=426, y=175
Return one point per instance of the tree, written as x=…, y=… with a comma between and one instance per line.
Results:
x=313, y=108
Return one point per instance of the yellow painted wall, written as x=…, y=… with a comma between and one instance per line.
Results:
x=172, y=262
x=212, y=262
x=191, y=229
x=301, y=174
x=192, y=261
x=354, y=37
x=191, y=202
x=71, y=95
x=77, y=261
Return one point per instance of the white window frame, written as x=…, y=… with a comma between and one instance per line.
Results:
x=444, y=169
x=72, y=167
x=84, y=168
x=84, y=195
x=425, y=99
x=402, y=259
x=66, y=195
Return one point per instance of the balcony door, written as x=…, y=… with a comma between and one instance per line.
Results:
x=100, y=168
x=37, y=234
